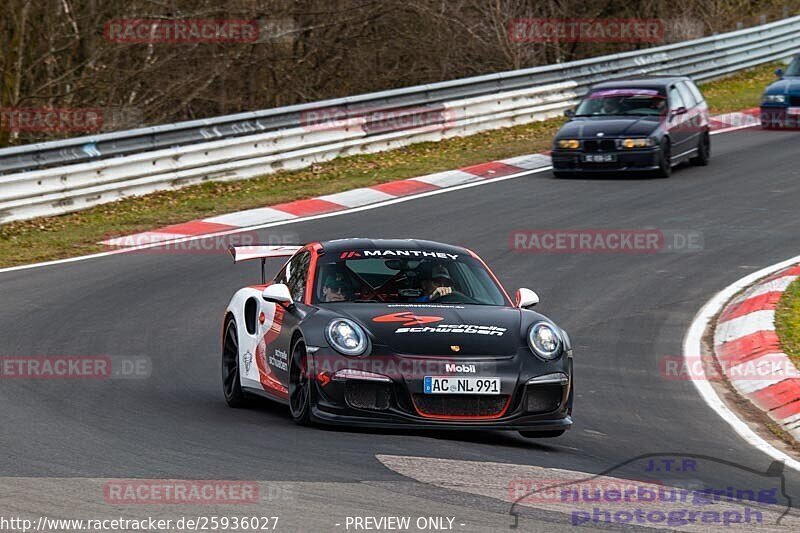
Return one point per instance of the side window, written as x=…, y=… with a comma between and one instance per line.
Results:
x=698, y=96
x=296, y=273
x=688, y=97
x=675, y=100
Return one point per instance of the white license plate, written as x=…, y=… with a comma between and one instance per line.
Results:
x=458, y=385
x=795, y=111
x=599, y=158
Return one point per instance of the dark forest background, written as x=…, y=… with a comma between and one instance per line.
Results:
x=53, y=53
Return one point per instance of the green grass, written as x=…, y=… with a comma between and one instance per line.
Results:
x=739, y=91
x=787, y=322
x=78, y=233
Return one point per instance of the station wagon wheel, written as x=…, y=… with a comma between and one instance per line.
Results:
x=665, y=165
x=703, y=151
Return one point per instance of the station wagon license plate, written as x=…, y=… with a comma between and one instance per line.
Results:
x=794, y=111
x=599, y=158
x=461, y=385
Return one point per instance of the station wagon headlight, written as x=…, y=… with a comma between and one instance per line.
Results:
x=346, y=337
x=774, y=98
x=637, y=143
x=569, y=144
x=544, y=341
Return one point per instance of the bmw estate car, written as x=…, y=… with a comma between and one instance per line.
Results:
x=780, y=103
x=637, y=125
x=395, y=333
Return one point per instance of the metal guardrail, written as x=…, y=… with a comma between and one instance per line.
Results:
x=72, y=174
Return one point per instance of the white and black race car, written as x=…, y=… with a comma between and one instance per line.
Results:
x=388, y=333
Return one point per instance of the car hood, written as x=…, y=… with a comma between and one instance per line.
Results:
x=790, y=85
x=430, y=329
x=589, y=127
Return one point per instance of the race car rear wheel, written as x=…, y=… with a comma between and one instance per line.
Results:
x=231, y=384
x=299, y=385
x=542, y=434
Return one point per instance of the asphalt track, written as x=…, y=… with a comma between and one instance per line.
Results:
x=624, y=312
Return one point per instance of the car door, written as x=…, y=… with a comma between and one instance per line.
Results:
x=693, y=121
x=285, y=319
x=676, y=122
x=701, y=105
x=279, y=321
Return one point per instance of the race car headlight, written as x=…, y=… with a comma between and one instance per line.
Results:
x=774, y=98
x=346, y=337
x=637, y=143
x=569, y=144
x=544, y=341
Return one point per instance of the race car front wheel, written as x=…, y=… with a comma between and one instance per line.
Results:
x=231, y=384
x=299, y=385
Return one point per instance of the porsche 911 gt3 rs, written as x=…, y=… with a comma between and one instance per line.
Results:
x=395, y=333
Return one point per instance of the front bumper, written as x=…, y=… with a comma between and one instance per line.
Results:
x=401, y=402
x=634, y=160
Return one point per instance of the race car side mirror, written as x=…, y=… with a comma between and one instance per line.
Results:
x=526, y=298
x=779, y=72
x=569, y=113
x=278, y=293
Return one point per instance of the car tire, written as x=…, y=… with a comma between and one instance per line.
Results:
x=665, y=163
x=703, y=151
x=231, y=380
x=542, y=434
x=300, y=385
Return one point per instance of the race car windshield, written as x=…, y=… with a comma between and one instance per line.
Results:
x=621, y=102
x=794, y=68
x=459, y=280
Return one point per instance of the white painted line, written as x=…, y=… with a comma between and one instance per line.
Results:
x=402, y=199
x=357, y=197
x=734, y=128
x=448, y=179
x=530, y=161
x=776, y=285
x=744, y=325
x=146, y=237
x=251, y=217
x=775, y=367
x=693, y=345
x=794, y=419
x=477, y=183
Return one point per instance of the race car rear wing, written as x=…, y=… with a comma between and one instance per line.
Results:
x=262, y=251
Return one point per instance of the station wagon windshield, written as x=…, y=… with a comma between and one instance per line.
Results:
x=620, y=102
